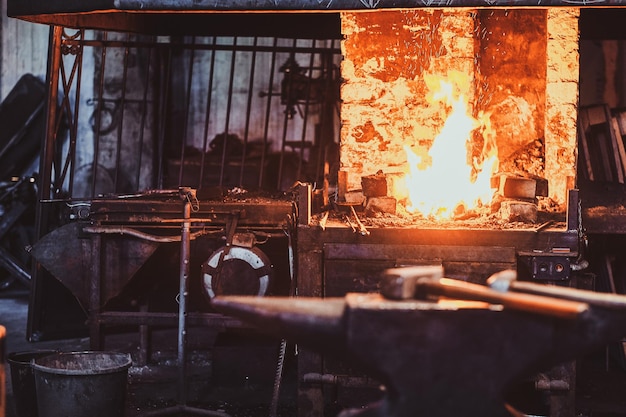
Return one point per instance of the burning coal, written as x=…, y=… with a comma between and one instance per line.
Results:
x=447, y=179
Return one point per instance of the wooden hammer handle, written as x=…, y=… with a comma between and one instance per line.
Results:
x=538, y=304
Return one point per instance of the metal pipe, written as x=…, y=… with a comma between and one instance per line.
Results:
x=8, y=262
x=122, y=230
x=182, y=301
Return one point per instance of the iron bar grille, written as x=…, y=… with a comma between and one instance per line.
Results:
x=137, y=112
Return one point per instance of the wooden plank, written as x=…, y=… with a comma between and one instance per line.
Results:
x=583, y=125
x=620, y=116
x=613, y=146
x=619, y=144
x=605, y=159
x=609, y=274
x=619, y=127
x=600, y=144
x=596, y=115
x=614, y=151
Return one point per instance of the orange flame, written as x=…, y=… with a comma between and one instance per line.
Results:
x=438, y=186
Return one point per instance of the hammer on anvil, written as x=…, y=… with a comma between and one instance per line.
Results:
x=427, y=282
x=443, y=358
x=506, y=281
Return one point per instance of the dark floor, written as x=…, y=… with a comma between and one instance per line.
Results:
x=244, y=390
x=245, y=387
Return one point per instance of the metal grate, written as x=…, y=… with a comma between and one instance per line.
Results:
x=140, y=112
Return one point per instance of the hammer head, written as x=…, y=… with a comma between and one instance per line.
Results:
x=401, y=283
x=502, y=281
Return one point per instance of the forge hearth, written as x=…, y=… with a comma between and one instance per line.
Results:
x=519, y=75
x=515, y=199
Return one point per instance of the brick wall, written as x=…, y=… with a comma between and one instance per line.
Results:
x=522, y=69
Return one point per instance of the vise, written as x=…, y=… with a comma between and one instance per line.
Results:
x=443, y=347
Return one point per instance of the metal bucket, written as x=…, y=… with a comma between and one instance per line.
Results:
x=81, y=384
x=23, y=381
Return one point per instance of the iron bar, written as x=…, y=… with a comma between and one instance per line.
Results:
x=207, y=114
x=98, y=117
x=268, y=113
x=142, y=124
x=165, y=94
x=183, y=143
x=211, y=47
x=120, y=129
x=248, y=109
x=229, y=103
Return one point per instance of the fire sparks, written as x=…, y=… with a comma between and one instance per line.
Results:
x=447, y=181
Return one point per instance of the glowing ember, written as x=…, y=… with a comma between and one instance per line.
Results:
x=446, y=181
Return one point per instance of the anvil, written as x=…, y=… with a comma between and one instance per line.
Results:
x=444, y=356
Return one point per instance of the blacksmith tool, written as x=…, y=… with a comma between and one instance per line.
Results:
x=425, y=282
x=451, y=356
x=506, y=281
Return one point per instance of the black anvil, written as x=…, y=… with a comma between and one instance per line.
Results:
x=443, y=347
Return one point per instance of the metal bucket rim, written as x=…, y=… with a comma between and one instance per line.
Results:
x=13, y=357
x=124, y=360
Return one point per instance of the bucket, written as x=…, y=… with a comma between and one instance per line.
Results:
x=81, y=384
x=23, y=381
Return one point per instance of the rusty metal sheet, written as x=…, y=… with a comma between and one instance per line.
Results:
x=66, y=254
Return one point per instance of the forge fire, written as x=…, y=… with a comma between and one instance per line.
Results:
x=451, y=108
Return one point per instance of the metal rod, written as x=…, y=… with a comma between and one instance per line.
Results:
x=8, y=262
x=163, y=108
x=72, y=116
x=207, y=115
x=286, y=119
x=216, y=47
x=188, y=91
x=142, y=123
x=182, y=302
x=46, y=161
x=246, y=131
x=136, y=233
x=229, y=104
x=120, y=128
x=98, y=117
x=268, y=112
x=182, y=408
